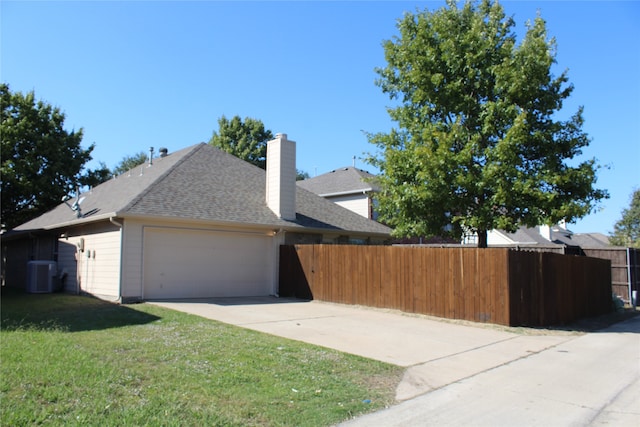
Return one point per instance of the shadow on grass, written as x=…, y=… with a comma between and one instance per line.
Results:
x=65, y=312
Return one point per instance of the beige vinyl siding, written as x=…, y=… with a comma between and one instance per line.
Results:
x=358, y=203
x=91, y=259
x=67, y=262
x=131, y=285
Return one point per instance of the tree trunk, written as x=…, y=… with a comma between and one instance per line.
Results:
x=482, y=238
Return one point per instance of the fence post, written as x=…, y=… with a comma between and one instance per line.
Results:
x=632, y=300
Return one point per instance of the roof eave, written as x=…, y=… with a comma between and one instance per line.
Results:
x=229, y=224
x=293, y=228
x=336, y=231
x=348, y=192
x=71, y=223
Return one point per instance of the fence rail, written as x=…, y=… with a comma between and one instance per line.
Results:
x=494, y=285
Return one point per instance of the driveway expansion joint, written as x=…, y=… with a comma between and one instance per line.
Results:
x=469, y=350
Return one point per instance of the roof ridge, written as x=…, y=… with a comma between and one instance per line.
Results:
x=355, y=169
x=163, y=176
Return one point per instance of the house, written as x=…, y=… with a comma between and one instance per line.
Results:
x=555, y=238
x=625, y=262
x=355, y=189
x=561, y=235
x=194, y=223
x=349, y=187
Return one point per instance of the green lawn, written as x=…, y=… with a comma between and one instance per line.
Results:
x=71, y=360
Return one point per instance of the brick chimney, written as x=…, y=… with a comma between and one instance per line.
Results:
x=281, y=177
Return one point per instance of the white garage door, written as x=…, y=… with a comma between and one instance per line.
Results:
x=181, y=263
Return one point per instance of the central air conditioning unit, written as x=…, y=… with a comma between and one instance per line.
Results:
x=41, y=276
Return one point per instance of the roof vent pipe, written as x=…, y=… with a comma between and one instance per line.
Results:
x=150, y=156
x=164, y=152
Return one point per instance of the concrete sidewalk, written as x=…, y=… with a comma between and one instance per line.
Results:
x=435, y=353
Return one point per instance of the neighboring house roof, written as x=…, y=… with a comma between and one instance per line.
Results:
x=524, y=235
x=559, y=236
x=204, y=183
x=342, y=181
x=584, y=240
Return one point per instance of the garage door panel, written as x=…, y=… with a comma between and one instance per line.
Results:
x=199, y=263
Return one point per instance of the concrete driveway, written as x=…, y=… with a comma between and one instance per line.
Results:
x=592, y=380
x=435, y=352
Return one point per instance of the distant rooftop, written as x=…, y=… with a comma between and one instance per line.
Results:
x=345, y=180
x=559, y=236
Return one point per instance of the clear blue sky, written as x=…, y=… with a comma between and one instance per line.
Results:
x=141, y=74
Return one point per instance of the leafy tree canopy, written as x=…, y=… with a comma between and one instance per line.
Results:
x=97, y=176
x=627, y=229
x=244, y=139
x=41, y=161
x=129, y=162
x=478, y=145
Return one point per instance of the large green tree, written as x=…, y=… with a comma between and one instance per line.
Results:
x=41, y=161
x=478, y=144
x=244, y=139
x=627, y=229
x=247, y=140
x=129, y=162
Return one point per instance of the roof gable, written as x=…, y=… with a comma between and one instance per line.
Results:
x=341, y=181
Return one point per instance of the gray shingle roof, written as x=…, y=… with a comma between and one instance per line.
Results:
x=340, y=181
x=525, y=235
x=560, y=236
x=202, y=183
x=584, y=240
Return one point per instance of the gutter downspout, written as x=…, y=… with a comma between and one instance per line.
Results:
x=114, y=222
x=119, y=225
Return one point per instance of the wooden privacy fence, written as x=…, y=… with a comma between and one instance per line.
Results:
x=625, y=268
x=494, y=285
